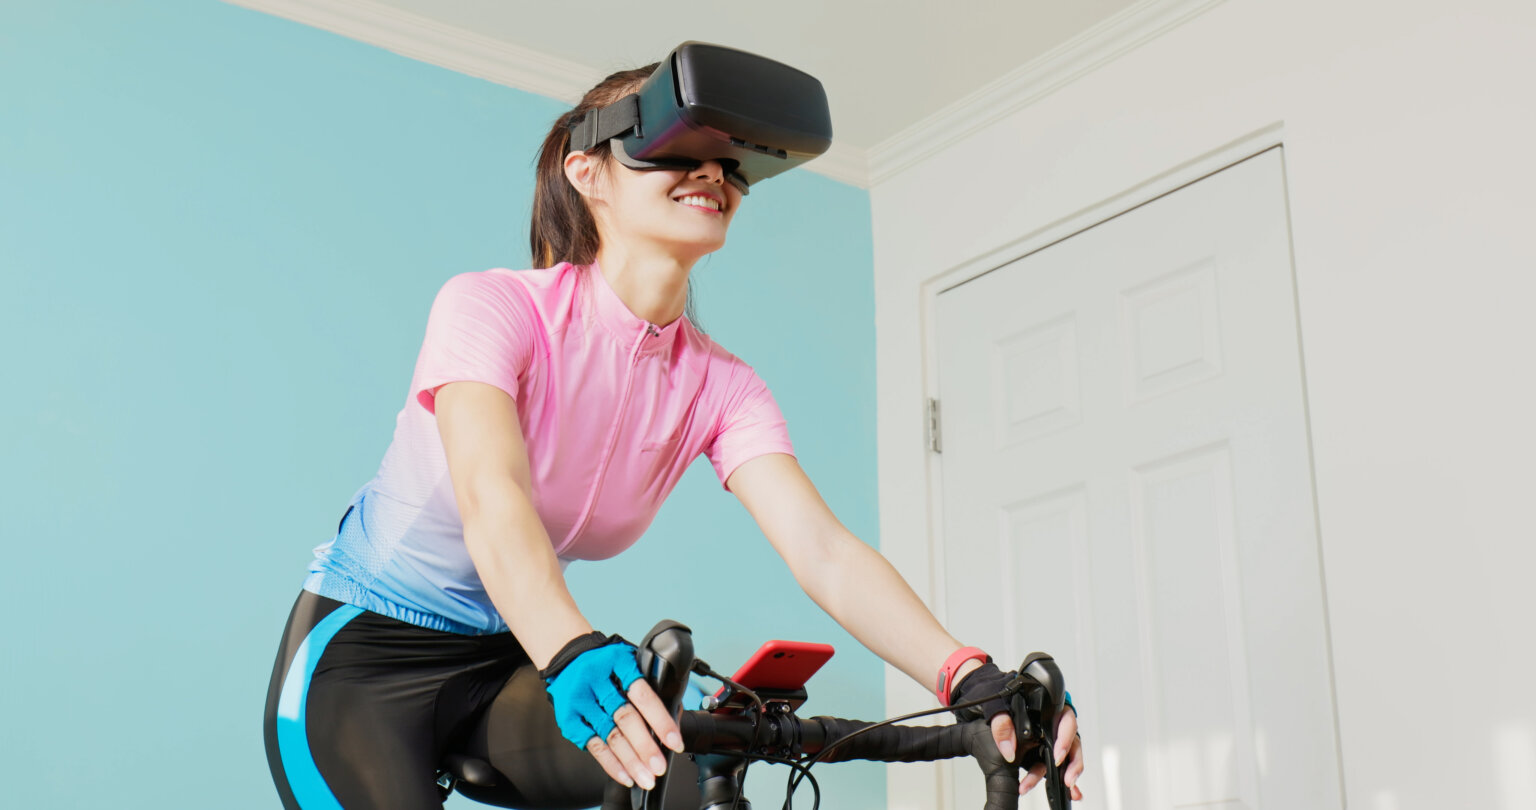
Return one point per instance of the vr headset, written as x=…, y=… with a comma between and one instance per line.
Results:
x=704, y=102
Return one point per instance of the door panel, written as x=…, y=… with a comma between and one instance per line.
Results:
x=1126, y=485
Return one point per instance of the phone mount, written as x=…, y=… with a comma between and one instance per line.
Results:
x=731, y=699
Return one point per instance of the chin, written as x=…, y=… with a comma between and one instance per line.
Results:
x=698, y=248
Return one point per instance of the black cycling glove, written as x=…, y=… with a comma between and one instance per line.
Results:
x=984, y=681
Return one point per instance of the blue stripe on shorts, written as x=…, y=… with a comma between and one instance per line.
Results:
x=309, y=788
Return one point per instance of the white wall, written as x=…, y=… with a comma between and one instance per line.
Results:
x=1410, y=142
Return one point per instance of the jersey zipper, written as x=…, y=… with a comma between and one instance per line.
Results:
x=613, y=439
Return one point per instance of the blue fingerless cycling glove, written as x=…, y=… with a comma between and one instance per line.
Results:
x=587, y=681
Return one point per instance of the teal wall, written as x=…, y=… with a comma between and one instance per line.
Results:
x=220, y=233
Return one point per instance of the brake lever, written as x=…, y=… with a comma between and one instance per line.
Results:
x=665, y=657
x=1045, y=699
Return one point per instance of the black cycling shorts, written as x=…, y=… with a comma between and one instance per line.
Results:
x=362, y=708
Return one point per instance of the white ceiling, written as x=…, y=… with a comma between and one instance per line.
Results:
x=890, y=67
x=886, y=65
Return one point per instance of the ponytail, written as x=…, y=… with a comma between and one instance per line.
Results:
x=562, y=228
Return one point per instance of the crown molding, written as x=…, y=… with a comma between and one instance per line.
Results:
x=845, y=164
x=464, y=51
x=1103, y=43
x=438, y=43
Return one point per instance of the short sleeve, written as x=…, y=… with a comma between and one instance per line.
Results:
x=750, y=424
x=482, y=328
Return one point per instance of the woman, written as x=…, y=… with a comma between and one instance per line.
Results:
x=551, y=412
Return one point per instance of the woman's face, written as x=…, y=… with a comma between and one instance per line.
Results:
x=685, y=212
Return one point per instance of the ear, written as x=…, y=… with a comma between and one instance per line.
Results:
x=581, y=169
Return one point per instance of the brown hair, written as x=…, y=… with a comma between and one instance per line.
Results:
x=562, y=229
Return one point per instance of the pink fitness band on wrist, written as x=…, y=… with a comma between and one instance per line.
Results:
x=953, y=663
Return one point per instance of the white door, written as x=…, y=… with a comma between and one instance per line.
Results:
x=1127, y=485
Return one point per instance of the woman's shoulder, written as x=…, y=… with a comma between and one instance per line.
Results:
x=535, y=288
x=538, y=279
x=721, y=366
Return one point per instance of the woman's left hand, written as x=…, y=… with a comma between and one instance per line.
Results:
x=1069, y=750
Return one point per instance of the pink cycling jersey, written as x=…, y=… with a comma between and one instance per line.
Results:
x=612, y=408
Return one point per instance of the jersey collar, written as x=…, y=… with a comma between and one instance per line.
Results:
x=611, y=311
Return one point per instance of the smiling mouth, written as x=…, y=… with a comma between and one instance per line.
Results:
x=700, y=201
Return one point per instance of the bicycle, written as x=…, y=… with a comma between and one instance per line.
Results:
x=741, y=725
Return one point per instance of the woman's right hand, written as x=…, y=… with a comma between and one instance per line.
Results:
x=603, y=704
x=630, y=754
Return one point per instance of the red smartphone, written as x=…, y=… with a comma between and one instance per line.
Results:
x=778, y=665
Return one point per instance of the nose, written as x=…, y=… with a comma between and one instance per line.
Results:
x=711, y=170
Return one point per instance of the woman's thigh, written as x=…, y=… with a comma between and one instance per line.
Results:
x=518, y=736
x=361, y=707
x=542, y=770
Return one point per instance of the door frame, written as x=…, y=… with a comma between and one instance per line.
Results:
x=930, y=780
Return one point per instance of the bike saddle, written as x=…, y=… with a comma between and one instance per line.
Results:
x=473, y=770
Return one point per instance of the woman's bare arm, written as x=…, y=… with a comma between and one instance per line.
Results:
x=493, y=485
x=488, y=463
x=852, y=582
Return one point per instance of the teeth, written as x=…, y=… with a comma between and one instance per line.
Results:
x=704, y=202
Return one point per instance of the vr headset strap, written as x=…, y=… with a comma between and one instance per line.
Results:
x=607, y=122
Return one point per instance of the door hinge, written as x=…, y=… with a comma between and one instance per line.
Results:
x=934, y=442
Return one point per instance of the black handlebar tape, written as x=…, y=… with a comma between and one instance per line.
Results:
x=885, y=743
x=705, y=732
x=927, y=743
